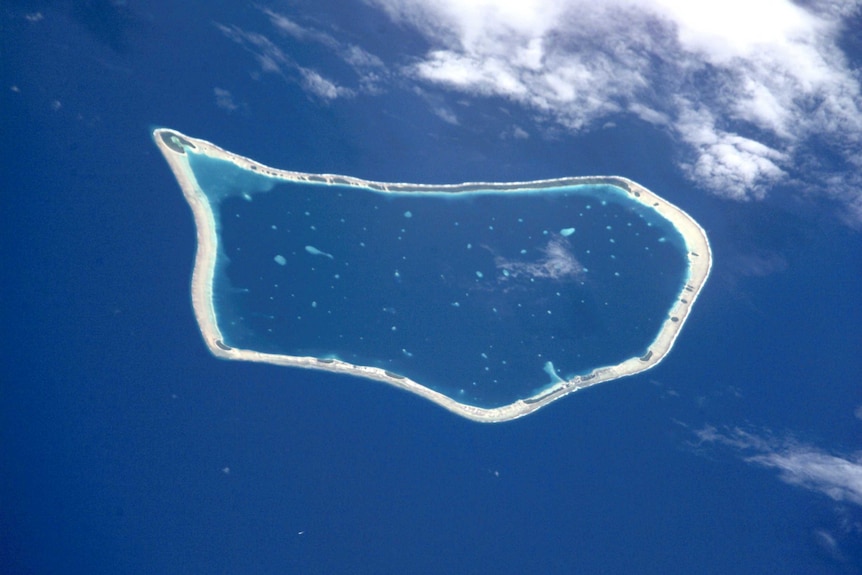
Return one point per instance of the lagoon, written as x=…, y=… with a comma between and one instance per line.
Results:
x=491, y=299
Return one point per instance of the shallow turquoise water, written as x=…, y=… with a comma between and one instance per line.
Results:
x=470, y=293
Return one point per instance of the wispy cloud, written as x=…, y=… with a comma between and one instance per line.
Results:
x=272, y=59
x=557, y=263
x=321, y=87
x=224, y=99
x=369, y=69
x=756, y=92
x=835, y=475
x=291, y=28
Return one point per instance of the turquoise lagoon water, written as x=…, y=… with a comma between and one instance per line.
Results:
x=470, y=293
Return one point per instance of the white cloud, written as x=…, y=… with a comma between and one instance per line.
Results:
x=321, y=87
x=273, y=60
x=741, y=167
x=360, y=59
x=269, y=56
x=757, y=93
x=722, y=31
x=447, y=115
x=369, y=68
x=557, y=263
x=224, y=99
x=837, y=476
x=286, y=25
x=749, y=87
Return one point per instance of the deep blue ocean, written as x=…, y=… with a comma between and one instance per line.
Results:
x=127, y=448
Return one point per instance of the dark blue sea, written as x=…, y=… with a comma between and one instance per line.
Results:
x=127, y=448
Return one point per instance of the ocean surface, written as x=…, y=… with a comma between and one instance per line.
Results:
x=125, y=447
